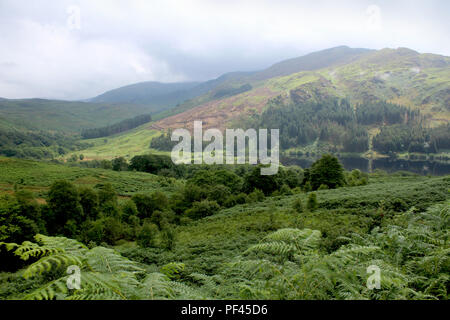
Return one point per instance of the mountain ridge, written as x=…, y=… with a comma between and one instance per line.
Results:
x=400, y=75
x=153, y=93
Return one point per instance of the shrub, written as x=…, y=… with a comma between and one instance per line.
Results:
x=357, y=178
x=162, y=218
x=146, y=237
x=255, y=180
x=298, y=205
x=256, y=196
x=106, y=194
x=202, y=209
x=119, y=164
x=143, y=205
x=397, y=205
x=297, y=190
x=208, y=178
x=285, y=190
x=307, y=187
x=193, y=193
x=89, y=202
x=129, y=210
x=311, y=203
x=184, y=221
x=146, y=205
x=168, y=237
x=114, y=230
x=219, y=193
x=241, y=198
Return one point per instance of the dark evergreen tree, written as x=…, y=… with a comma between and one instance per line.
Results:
x=327, y=171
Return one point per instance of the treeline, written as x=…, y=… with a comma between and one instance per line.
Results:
x=121, y=126
x=333, y=121
x=380, y=112
x=325, y=173
x=163, y=142
x=412, y=138
x=91, y=215
x=37, y=144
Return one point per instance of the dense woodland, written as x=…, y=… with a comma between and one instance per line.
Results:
x=37, y=144
x=404, y=138
x=335, y=122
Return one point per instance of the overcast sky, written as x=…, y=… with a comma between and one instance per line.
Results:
x=80, y=48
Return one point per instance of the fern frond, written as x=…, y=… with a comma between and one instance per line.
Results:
x=49, y=262
x=301, y=238
x=68, y=245
x=274, y=248
x=155, y=286
x=172, y=270
x=9, y=246
x=49, y=291
x=106, y=260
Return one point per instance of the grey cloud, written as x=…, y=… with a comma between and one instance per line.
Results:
x=123, y=42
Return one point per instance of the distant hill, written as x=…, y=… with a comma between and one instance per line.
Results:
x=313, y=61
x=402, y=76
x=64, y=116
x=162, y=96
x=147, y=93
x=232, y=84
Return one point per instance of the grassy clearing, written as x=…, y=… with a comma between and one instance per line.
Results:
x=127, y=145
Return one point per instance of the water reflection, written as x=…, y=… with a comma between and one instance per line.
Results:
x=386, y=164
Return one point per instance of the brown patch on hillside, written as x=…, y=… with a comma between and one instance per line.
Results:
x=218, y=113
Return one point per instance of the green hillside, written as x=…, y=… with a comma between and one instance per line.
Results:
x=291, y=244
x=151, y=93
x=127, y=144
x=65, y=116
x=163, y=97
x=403, y=77
x=399, y=75
x=37, y=177
x=231, y=84
x=313, y=61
